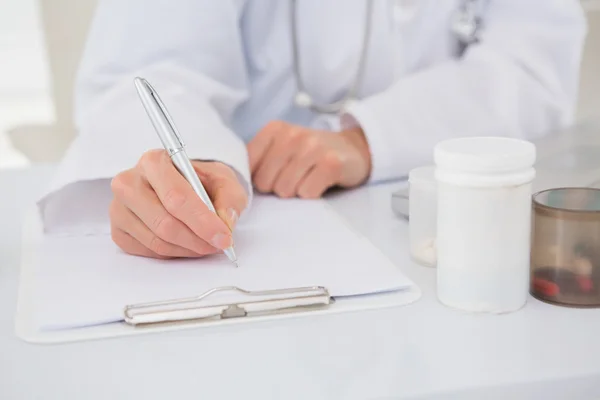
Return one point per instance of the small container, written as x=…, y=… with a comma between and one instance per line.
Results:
x=565, y=257
x=422, y=215
x=484, y=223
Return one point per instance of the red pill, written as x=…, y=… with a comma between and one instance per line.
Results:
x=545, y=287
x=585, y=284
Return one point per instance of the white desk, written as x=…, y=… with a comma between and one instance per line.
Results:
x=419, y=351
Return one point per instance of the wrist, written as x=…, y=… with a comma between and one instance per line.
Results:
x=356, y=137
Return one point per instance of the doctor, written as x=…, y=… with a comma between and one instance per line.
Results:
x=295, y=97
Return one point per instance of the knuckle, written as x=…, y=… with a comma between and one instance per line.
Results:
x=332, y=161
x=151, y=157
x=220, y=188
x=298, y=135
x=294, y=134
x=159, y=246
x=120, y=184
x=223, y=171
x=204, y=216
x=174, y=200
x=165, y=227
x=275, y=125
x=219, y=183
x=312, y=143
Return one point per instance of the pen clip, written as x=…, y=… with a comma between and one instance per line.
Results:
x=165, y=113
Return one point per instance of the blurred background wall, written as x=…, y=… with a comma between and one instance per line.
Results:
x=46, y=38
x=40, y=45
x=589, y=93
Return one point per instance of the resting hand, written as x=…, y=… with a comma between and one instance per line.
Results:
x=291, y=160
x=156, y=213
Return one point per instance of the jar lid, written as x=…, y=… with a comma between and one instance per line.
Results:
x=422, y=174
x=484, y=154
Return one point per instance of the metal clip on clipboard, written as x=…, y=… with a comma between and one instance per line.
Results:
x=188, y=309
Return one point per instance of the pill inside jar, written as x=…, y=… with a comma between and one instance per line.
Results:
x=422, y=215
x=565, y=257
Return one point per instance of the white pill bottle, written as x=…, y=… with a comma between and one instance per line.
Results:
x=484, y=222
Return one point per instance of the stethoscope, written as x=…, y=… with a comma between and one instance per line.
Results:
x=465, y=25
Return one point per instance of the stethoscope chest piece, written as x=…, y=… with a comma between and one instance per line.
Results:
x=465, y=29
x=303, y=100
x=466, y=23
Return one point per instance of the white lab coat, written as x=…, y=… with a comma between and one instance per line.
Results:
x=224, y=69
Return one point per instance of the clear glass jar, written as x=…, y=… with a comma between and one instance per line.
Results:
x=484, y=222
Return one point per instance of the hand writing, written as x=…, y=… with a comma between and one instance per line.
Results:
x=156, y=213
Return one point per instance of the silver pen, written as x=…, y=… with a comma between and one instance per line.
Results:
x=171, y=140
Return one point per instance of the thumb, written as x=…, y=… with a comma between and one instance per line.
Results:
x=230, y=200
x=228, y=195
x=229, y=215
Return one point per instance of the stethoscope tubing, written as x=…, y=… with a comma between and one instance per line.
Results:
x=302, y=95
x=466, y=27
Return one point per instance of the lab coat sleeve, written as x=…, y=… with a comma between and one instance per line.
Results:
x=520, y=80
x=192, y=53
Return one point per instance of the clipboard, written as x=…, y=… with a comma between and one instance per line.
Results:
x=167, y=315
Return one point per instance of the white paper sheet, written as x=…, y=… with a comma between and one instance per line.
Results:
x=85, y=281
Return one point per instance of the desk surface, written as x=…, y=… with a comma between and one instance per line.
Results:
x=423, y=350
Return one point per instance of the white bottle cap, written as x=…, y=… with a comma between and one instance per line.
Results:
x=484, y=154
